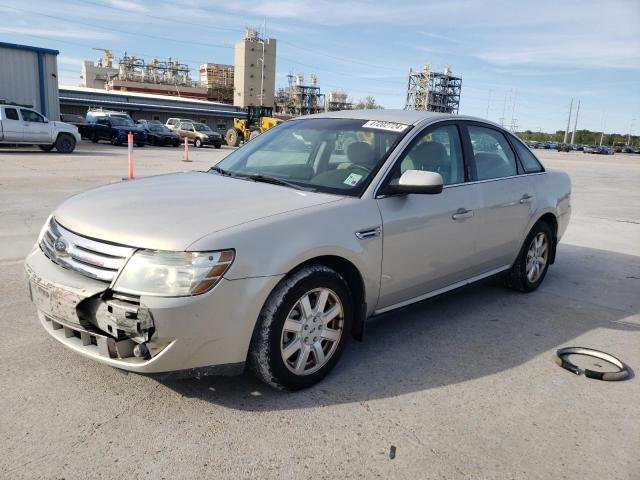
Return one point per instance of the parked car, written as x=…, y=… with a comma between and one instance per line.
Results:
x=159, y=134
x=563, y=147
x=79, y=121
x=172, y=123
x=589, y=149
x=276, y=255
x=24, y=126
x=115, y=127
x=199, y=134
x=602, y=150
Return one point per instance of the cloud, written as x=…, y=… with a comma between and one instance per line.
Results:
x=128, y=5
x=56, y=33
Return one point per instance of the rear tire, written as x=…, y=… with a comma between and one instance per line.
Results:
x=115, y=141
x=65, y=143
x=530, y=268
x=302, y=329
x=94, y=137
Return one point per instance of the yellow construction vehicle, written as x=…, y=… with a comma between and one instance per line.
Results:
x=259, y=120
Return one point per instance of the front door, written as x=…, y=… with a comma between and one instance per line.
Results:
x=35, y=127
x=429, y=240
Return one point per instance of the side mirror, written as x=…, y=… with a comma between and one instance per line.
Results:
x=416, y=181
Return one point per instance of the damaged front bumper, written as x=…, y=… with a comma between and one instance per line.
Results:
x=182, y=336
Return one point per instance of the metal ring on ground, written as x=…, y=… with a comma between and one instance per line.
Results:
x=622, y=374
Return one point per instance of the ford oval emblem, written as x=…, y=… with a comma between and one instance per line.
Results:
x=61, y=246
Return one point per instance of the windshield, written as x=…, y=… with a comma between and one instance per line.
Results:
x=324, y=154
x=121, y=121
x=201, y=127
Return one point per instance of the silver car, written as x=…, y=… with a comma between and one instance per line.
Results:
x=277, y=255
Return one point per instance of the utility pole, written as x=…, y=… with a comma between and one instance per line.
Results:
x=575, y=124
x=504, y=110
x=630, y=131
x=604, y=124
x=488, y=103
x=264, y=39
x=513, y=111
x=566, y=132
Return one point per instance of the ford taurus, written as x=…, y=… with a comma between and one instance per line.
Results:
x=278, y=254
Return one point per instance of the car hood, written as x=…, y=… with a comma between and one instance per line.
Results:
x=170, y=212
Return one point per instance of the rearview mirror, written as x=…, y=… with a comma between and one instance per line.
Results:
x=417, y=181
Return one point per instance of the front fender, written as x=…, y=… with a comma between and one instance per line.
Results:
x=277, y=244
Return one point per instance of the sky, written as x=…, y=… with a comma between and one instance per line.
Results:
x=519, y=61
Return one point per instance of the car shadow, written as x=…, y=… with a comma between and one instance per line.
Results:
x=480, y=330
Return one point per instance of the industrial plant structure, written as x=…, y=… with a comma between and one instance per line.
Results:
x=219, y=80
x=299, y=98
x=255, y=70
x=133, y=74
x=338, y=100
x=433, y=91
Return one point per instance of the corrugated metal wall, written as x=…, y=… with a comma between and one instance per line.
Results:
x=20, y=82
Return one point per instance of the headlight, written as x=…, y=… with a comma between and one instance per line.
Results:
x=173, y=274
x=43, y=230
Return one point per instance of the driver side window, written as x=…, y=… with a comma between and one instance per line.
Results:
x=437, y=150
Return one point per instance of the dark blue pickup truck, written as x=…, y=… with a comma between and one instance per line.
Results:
x=114, y=127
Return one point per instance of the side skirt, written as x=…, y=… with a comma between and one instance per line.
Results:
x=443, y=290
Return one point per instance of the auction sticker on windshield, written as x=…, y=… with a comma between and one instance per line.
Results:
x=352, y=179
x=391, y=126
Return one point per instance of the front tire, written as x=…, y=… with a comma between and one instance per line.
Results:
x=94, y=137
x=45, y=148
x=530, y=268
x=197, y=143
x=302, y=329
x=65, y=143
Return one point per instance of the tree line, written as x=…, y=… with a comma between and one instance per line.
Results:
x=583, y=137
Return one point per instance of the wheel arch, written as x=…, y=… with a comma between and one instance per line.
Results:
x=552, y=221
x=355, y=282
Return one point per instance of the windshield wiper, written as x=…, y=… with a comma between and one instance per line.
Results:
x=221, y=171
x=259, y=177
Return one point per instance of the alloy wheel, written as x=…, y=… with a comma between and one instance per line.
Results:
x=312, y=331
x=537, y=257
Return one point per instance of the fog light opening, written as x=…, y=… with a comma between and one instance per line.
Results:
x=141, y=350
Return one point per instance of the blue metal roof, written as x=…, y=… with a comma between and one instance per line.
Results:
x=90, y=102
x=29, y=48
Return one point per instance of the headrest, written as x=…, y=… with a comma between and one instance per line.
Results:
x=360, y=153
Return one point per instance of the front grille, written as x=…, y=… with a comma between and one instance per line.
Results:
x=92, y=258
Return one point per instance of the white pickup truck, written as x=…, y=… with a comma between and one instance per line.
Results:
x=20, y=125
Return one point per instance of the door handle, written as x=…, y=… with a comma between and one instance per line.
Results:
x=526, y=198
x=462, y=213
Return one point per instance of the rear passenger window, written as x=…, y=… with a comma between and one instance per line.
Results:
x=493, y=155
x=528, y=159
x=11, y=114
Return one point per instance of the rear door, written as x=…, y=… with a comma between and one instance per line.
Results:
x=36, y=128
x=507, y=196
x=12, y=125
x=428, y=240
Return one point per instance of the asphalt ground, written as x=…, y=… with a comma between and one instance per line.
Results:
x=461, y=386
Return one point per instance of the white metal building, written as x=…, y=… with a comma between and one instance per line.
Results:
x=29, y=76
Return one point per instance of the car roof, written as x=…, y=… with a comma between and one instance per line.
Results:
x=407, y=117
